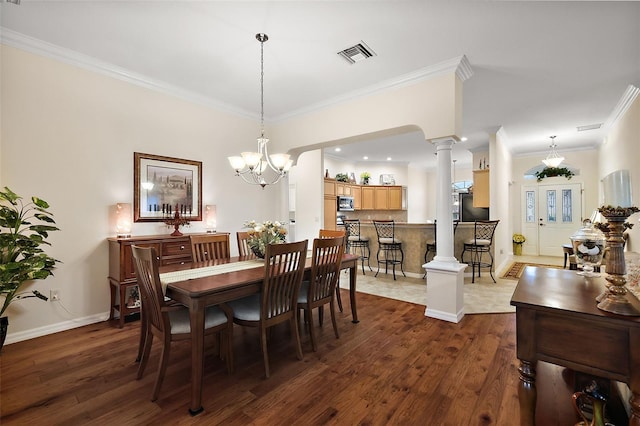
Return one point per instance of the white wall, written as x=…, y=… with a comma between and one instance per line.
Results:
x=619, y=152
x=68, y=136
x=309, y=195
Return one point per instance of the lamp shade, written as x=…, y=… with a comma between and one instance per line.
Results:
x=123, y=220
x=211, y=219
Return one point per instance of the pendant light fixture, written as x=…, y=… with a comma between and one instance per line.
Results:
x=260, y=168
x=553, y=159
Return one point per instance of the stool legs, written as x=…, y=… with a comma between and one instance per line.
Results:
x=390, y=257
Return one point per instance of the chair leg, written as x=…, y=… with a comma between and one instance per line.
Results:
x=378, y=259
x=148, y=340
x=143, y=335
x=333, y=319
x=296, y=335
x=491, y=268
x=338, y=297
x=312, y=333
x=162, y=368
x=265, y=354
x=402, y=262
x=227, y=335
x=368, y=259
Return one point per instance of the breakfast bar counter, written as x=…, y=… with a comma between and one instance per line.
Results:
x=414, y=238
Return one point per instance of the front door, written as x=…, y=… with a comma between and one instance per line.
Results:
x=552, y=213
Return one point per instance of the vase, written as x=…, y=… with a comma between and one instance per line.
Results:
x=517, y=249
x=257, y=252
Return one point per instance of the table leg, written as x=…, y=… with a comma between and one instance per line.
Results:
x=353, y=273
x=634, y=420
x=196, y=317
x=527, y=393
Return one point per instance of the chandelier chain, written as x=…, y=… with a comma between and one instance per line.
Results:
x=262, y=88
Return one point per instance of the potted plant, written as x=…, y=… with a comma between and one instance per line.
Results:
x=23, y=230
x=365, y=176
x=554, y=171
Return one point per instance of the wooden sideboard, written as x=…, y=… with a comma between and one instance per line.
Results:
x=122, y=275
x=557, y=321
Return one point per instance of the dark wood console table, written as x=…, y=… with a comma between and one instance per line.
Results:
x=557, y=321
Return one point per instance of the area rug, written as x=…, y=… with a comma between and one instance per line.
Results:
x=516, y=269
x=479, y=298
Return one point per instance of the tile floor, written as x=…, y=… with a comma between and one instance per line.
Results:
x=481, y=297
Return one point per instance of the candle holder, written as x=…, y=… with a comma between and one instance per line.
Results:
x=617, y=299
x=176, y=221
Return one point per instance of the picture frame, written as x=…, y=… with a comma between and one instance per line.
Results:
x=163, y=185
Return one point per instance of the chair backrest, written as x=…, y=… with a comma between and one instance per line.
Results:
x=243, y=246
x=284, y=268
x=210, y=247
x=352, y=227
x=145, y=262
x=484, y=229
x=330, y=233
x=384, y=228
x=325, y=268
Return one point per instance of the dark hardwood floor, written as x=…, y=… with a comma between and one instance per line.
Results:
x=395, y=367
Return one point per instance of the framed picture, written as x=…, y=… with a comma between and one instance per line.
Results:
x=164, y=185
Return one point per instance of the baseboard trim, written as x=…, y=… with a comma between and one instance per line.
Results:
x=445, y=316
x=54, y=328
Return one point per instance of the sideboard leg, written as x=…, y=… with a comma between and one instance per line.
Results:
x=634, y=420
x=527, y=393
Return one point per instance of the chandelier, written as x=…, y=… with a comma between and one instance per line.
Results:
x=260, y=168
x=553, y=159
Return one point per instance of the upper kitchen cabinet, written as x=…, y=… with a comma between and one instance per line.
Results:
x=481, y=188
x=356, y=193
x=330, y=187
x=383, y=198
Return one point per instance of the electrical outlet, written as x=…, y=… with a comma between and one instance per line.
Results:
x=54, y=295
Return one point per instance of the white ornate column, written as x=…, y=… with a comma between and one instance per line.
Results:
x=445, y=275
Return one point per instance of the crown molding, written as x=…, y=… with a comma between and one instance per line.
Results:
x=460, y=66
x=39, y=47
x=627, y=99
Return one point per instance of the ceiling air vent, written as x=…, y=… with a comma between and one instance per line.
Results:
x=589, y=127
x=357, y=53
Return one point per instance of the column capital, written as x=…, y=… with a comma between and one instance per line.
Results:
x=446, y=141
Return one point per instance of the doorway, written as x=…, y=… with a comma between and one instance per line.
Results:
x=551, y=214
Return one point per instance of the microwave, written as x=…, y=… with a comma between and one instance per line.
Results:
x=345, y=204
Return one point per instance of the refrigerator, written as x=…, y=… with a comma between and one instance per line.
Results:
x=468, y=213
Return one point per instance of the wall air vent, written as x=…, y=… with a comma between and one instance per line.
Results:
x=589, y=127
x=357, y=53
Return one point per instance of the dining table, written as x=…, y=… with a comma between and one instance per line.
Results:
x=197, y=285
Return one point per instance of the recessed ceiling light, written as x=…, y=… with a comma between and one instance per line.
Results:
x=365, y=158
x=388, y=158
x=463, y=139
x=338, y=149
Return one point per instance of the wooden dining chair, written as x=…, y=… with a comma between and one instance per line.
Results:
x=243, y=246
x=276, y=303
x=170, y=322
x=210, y=247
x=330, y=233
x=318, y=291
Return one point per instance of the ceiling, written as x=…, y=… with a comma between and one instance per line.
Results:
x=539, y=68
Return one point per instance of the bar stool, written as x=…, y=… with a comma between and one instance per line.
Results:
x=478, y=245
x=356, y=241
x=389, y=246
x=432, y=243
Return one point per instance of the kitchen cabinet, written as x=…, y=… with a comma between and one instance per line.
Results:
x=481, y=188
x=395, y=198
x=330, y=212
x=330, y=187
x=343, y=189
x=356, y=193
x=381, y=198
x=368, y=197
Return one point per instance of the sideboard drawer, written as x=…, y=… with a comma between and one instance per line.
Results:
x=176, y=248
